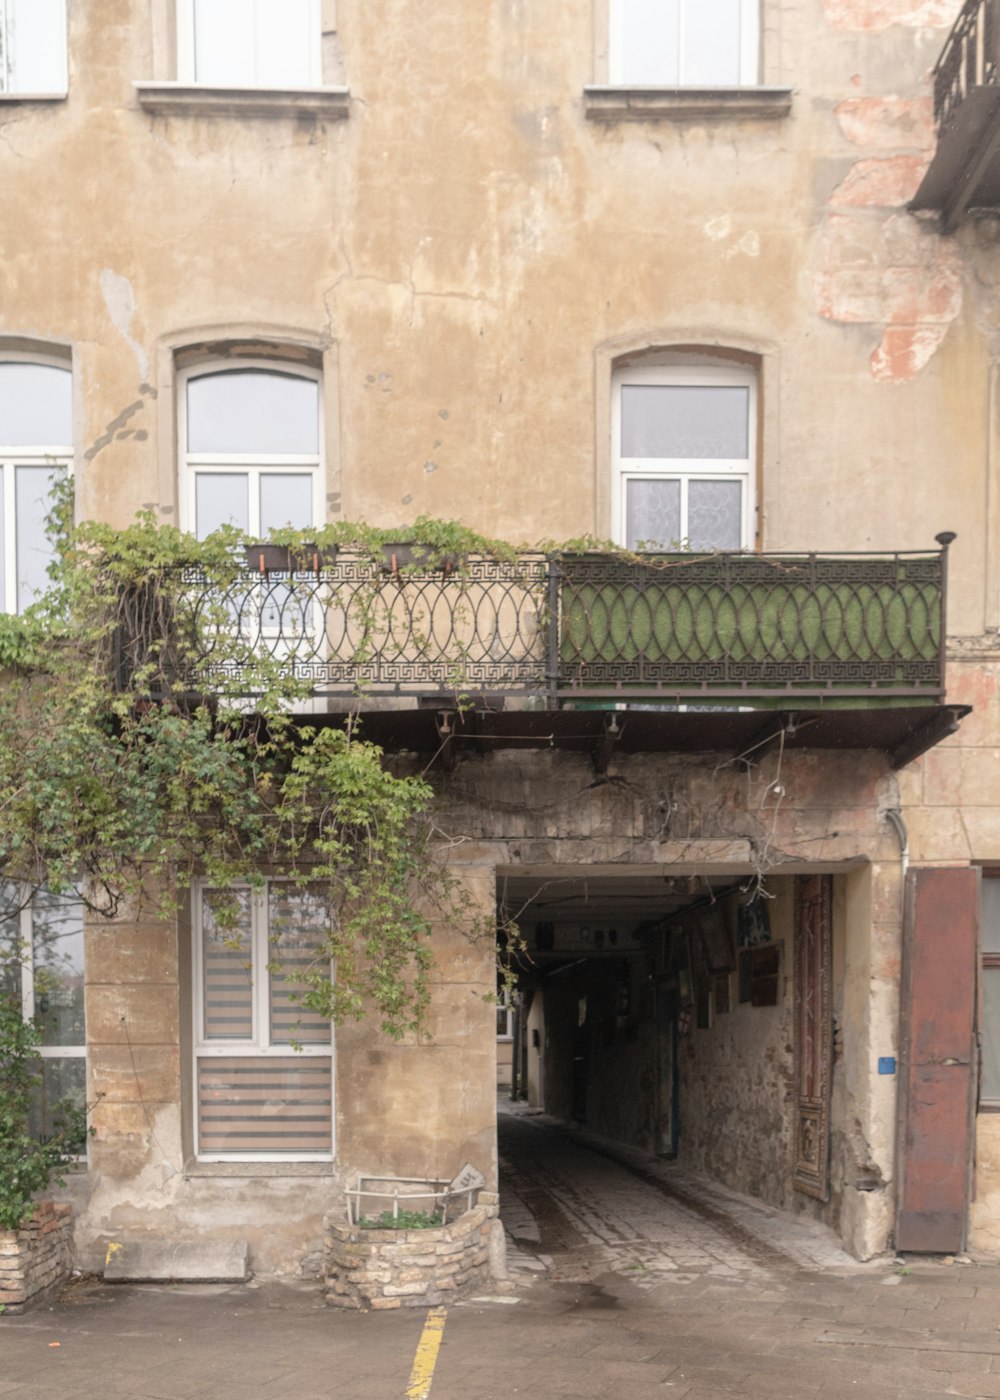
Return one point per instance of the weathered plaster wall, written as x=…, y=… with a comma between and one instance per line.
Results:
x=736, y=1081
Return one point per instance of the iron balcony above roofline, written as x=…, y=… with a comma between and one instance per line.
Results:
x=589, y=628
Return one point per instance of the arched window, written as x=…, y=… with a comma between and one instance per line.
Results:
x=36, y=435
x=250, y=448
x=683, y=445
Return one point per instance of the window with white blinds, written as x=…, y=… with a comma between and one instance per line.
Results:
x=263, y=1060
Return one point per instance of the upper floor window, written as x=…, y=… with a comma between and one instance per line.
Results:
x=683, y=444
x=684, y=43
x=250, y=449
x=249, y=43
x=33, y=47
x=35, y=448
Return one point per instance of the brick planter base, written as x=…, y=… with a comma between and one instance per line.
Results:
x=36, y=1260
x=408, y=1268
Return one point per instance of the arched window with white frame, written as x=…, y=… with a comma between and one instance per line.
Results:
x=683, y=449
x=684, y=43
x=249, y=43
x=250, y=436
x=36, y=445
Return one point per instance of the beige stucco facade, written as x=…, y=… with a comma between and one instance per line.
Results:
x=465, y=246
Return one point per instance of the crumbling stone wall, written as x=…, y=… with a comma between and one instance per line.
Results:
x=35, y=1261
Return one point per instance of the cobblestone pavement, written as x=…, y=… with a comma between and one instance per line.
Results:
x=573, y=1213
x=630, y=1280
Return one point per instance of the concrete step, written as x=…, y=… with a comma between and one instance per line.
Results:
x=163, y=1261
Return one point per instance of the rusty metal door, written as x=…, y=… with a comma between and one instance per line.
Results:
x=937, y=1058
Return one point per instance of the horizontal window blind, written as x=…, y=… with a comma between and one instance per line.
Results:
x=265, y=1105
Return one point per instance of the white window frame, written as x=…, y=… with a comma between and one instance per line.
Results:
x=186, y=48
x=5, y=77
x=58, y=456
x=26, y=957
x=749, y=44
x=682, y=469
x=247, y=464
x=259, y=1047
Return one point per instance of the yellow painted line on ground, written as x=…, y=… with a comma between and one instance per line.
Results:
x=427, y=1355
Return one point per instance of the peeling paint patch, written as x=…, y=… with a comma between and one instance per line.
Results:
x=889, y=273
x=873, y=15
x=887, y=123
x=886, y=181
x=719, y=227
x=904, y=352
x=119, y=299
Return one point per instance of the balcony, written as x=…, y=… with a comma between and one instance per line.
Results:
x=965, y=173
x=547, y=645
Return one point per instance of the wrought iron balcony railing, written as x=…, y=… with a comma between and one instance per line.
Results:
x=964, y=173
x=968, y=60
x=718, y=628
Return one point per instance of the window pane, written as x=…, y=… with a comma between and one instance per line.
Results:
x=298, y=921
x=685, y=421
x=990, y=1086
x=990, y=932
x=221, y=498
x=284, y=42
x=34, y=548
x=715, y=515
x=57, y=939
x=63, y=1088
x=711, y=45
x=286, y=498
x=36, y=59
x=267, y=1105
x=223, y=41
x=10, y=939
x=35, y=406
x=253, y=411
x=648, y=36
x=227, y=969
x=653, y=514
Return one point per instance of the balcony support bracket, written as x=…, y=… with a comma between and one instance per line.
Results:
x=445, y=723
x=605, y=746
x=945, y=722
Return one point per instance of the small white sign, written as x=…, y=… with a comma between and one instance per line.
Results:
x=468, y=1179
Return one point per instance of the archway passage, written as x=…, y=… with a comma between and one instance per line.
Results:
x=686, y=1016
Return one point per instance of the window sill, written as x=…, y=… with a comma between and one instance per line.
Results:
x=33, y=96
x=258, y=1169
x=200, y=99
x=606, y=103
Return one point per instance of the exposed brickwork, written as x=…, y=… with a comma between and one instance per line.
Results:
x=35, y=1261
x=881, y=182
x=382, y=1269
x=873, y=15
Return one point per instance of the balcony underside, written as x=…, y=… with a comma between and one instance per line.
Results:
x=965, y=172
x=901, y=733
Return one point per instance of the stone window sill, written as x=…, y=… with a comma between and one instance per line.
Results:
x=33, y=97
x=257, y=1169
x=199, y=99
x=606, y=103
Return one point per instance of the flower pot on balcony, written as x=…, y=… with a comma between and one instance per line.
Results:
x=420, y=558
x=283, y=558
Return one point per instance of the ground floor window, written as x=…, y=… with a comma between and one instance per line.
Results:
x=41, y=960
x=263, y=1060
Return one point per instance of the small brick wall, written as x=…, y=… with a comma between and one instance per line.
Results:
x=383, y=1269
x=35, y=1260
